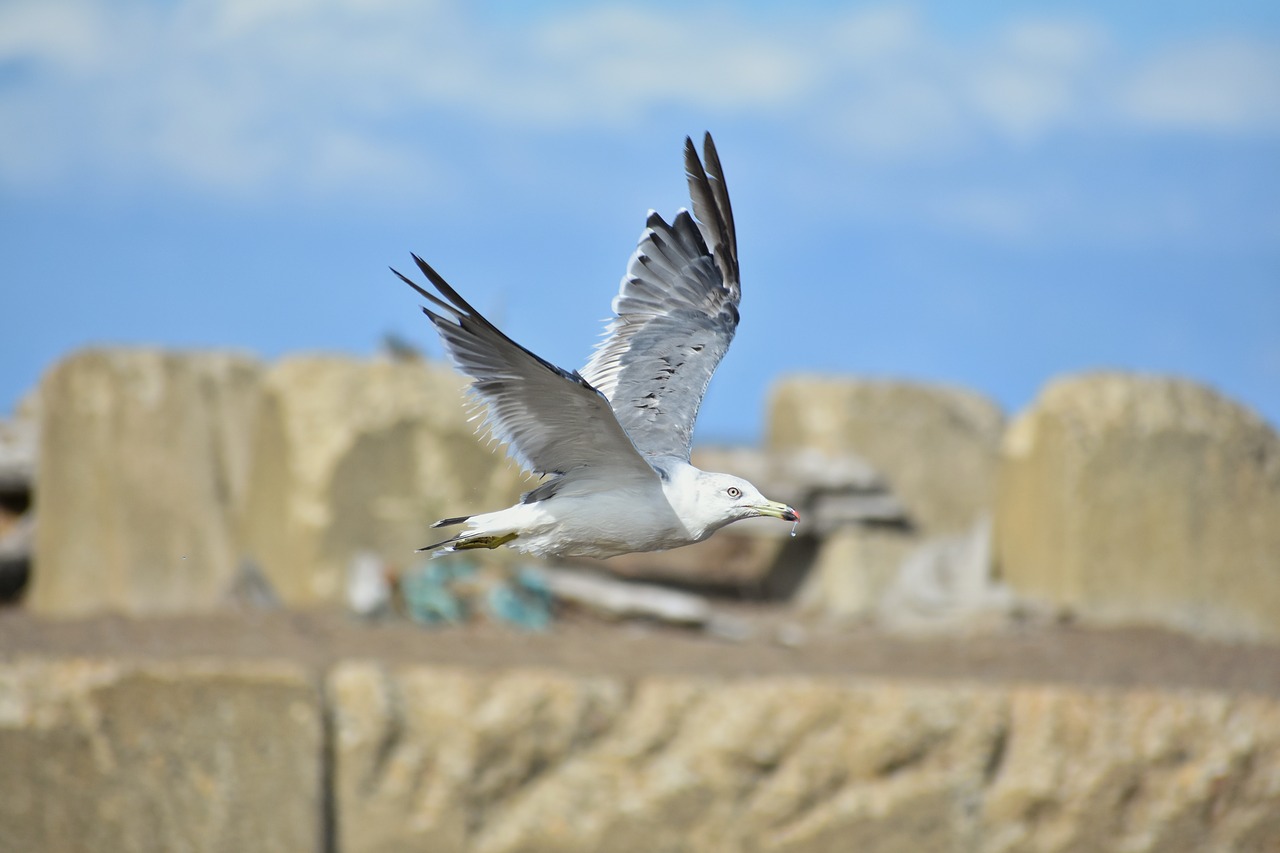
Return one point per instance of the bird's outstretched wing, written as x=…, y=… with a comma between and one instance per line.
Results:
x=552, y=421
x=677, y=311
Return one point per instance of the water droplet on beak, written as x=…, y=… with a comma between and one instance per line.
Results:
x=793, y=528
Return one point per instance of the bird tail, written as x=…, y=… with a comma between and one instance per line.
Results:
x=487, y=530
x=447, y=522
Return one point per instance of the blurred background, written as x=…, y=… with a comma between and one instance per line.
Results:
x=1011, y=280
x=986, y=195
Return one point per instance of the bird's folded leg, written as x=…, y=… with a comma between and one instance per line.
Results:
x=490, y=542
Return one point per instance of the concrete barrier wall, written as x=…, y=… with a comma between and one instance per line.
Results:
x=112, y=756
x=1143, y=500
x=1116, y=499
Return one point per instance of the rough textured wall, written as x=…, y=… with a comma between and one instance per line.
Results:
x=1131, y=499
x=118, y=758
x=937, y=446
x=159, y=472
x=544, y=761
x=220, y=755
x=144, y=461
x=362, y=456
x=938, y=449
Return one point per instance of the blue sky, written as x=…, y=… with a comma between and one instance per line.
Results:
x=987, y=195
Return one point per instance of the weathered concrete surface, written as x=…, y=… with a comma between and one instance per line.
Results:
x=937, y=446
x=1141, y=771
x=1134, y=499
x=945, y=587
x=203, y=757
x=143, y=463
x=853, y=569
x=361, y=456
x=448, y=760
x=160, y=471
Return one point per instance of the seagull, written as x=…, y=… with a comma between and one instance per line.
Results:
x=612, y=441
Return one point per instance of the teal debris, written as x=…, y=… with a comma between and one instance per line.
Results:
x=525, y=601
x=432, y=591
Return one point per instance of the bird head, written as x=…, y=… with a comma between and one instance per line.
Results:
x=724, y=498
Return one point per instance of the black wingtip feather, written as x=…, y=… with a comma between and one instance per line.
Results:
x=711, y=202
x=411, y=283
x=464, y=313
x=720, y=190
x=430, y=297
x=443, y=286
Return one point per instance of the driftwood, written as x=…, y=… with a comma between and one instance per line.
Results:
x=616, y=599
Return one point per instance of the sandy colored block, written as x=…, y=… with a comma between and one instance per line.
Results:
x=104, y=756
x=853, y=569
x=362, y=456
x=937, y=446
x=1138, y=771
x=1138, y=499
x=143, y=462
x=523, y=761
x=497, y=762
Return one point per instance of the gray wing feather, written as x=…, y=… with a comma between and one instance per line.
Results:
x=676, y=313
x=551, y=420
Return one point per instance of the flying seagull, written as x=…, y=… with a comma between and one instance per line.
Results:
x=612, y=441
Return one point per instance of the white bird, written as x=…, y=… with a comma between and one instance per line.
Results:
x=612, y=442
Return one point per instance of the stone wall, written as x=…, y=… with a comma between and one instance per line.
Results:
x=1132, y=499
x=160, y=472
x=143, y=466
x=521, y=761
x=219, y=756
x=937, y=446
x=118, y=758
x=1120, y=499
x=362, y=456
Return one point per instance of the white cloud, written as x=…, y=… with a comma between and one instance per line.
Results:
x=58, y=34
x=1218, y=85
x=1066, y=44
x=922, y=95
x=1004, y=215
x=235, y=95
x=1036, y=77
x=870, y=41
x=618, y=62
x=226, y=97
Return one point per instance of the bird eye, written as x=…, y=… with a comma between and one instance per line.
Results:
x=734, y=492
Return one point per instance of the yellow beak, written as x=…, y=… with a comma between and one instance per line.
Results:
x=773, y=509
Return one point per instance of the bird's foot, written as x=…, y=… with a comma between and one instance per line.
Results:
x=489, y=542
